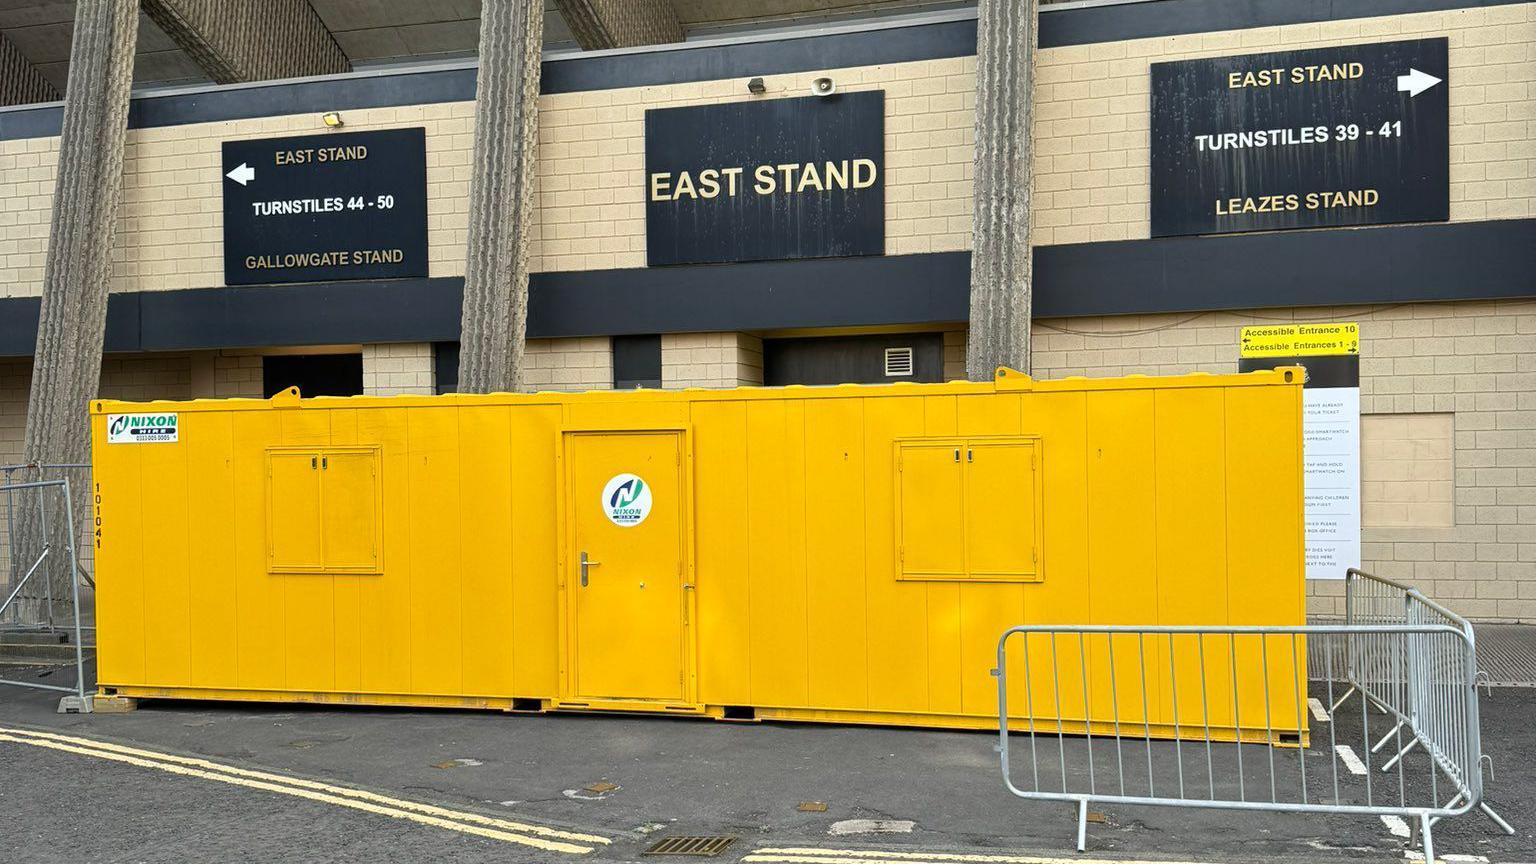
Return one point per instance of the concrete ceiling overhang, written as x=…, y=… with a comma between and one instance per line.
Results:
x=380, y=32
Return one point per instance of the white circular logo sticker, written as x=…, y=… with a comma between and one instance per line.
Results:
x=627, y=500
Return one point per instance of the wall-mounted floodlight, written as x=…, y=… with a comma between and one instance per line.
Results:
x=756, y=87
x=332, y=119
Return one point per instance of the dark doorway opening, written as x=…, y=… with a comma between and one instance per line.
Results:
x=636, y=362
x=445, y=365
x=313, y=374
x=879, y=359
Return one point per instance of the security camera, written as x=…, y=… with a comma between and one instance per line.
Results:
x=823, y=87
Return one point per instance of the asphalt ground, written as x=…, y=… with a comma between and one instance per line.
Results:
x=69, y=802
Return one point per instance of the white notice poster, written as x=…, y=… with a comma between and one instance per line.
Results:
x=1331, y=448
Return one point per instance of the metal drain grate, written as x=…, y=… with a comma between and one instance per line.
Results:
x=693, y=847
x=1507, y=652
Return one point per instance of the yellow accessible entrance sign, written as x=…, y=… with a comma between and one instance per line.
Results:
x=1301, y=340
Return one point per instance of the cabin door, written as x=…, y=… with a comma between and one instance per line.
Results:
x=625, y=565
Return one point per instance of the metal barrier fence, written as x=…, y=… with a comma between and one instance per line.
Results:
x=31, y=587
x=1370, y=672
x=1240, y=706
x=79, y=476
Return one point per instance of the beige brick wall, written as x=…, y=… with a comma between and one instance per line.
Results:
x=954, y=355
x=590, y=187
x=711, y=360
x=1475, y=361
x=395, y=369
x=1407, y=470
x=749, y=360
x=592, y=151
x=232, y=374
x=170, y=231
x=136, y=377
x=223, y=375
x=237, y=376
x=145, y=377
x=569, y=365
x=1092, y=166
x=15, y=380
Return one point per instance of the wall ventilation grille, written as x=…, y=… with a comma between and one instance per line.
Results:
x=898, y=362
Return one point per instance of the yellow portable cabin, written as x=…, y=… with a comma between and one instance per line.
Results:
x=846, y=553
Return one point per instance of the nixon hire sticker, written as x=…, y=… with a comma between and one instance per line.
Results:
x=626, y=500
x=141, y=428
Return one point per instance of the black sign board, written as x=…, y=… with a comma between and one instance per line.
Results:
x=319, y=208
x=766, y=179
x=1341, y=370
x=1357, y=135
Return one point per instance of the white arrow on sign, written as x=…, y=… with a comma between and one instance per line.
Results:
x=242, y=174
x=1415, y=82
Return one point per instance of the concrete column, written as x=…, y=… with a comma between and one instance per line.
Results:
x=20, y=82
x=501, y=196
x=67, y=366
x=250, y=40
x=598, y=24
x=72, y=323
x=1000, y=252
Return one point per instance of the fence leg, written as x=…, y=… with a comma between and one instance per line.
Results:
x=1497, y=819
x=84, y=704
x=1400, y=754
x=1082, y=824
x=1387, y=737
x=1334, y=708
x=1427, y=840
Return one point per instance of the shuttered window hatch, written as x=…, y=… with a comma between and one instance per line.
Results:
x=692, y=847
x=898, y=362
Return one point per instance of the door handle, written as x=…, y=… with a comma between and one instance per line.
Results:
x=585, y=563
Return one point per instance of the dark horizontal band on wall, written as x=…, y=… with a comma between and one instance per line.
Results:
x=1339, y=267
x=760, y=295
x=918, y=41
x=1336, y=267
x=830, y=292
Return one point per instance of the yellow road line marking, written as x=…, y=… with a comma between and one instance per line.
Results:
x=835, y=858
x=361, y=794
x=879, y=858
x=392, y=812
x=812, y=855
